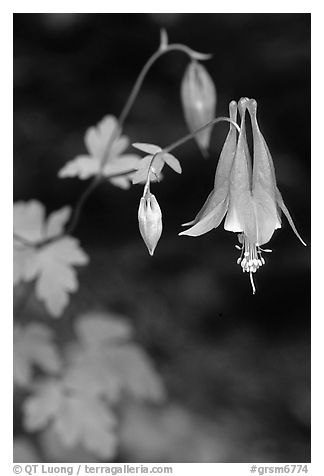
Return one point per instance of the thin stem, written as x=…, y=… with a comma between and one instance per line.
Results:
x=76, y=214
x=147, y=185
x=138, y=84
x=121, y=119
x=78, y=208
x=194, y=133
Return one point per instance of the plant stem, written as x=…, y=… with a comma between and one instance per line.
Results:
x=78, y=208
x=193, y=134
x=99, y=177
x=136, y=89
x=138, y=84
x=187, y=137
x=121, y=119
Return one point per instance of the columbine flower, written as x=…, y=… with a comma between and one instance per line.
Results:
x=198, y=95
x=248, y=196
x=150, y=220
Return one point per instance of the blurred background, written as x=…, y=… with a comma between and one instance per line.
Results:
x=236, y=367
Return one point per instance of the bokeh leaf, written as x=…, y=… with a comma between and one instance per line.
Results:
x=56, y=274
x=102, y=366
x=105, y=362
x=135, y=372
x=98, y=140
x=76, y=418
x=83, y=167
x=56, y=221
x=86, y=420
x=96, y=328
x=42, y=406
x=52, y=265
x=28, y=219
x=33, y=347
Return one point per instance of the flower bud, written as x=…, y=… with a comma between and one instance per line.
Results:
x=198, y=95
x=150, y=221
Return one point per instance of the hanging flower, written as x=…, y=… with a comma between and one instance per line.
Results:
x=148, y=170
x=198, y=95
x=248, y=196
x=150, y=220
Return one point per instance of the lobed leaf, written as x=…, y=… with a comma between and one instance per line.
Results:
x=83, y=167
x=28, y=220
x=75, y=418
x=100, y=140
x=56, y=222
x=56, y=275
x=86, y=420
x=98, y=137
x=52, y=265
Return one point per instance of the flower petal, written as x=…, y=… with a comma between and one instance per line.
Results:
x=266, y=216
x=209, y=221
x=239, y=182
x=207, y=207
x=285, y=210
x=223, y=170
x=227, y=154
x=263, y=168
x=255, y=215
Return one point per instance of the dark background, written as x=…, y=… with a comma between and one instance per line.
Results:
x=240, y=362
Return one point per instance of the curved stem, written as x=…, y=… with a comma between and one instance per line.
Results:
x=187, y=137
x=193, y=134
x=78, y=208
x=138, y=84
x=123, y=115
x=121, y=119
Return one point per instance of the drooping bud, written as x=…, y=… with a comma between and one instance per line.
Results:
x=198, y=95
x=150, y=221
